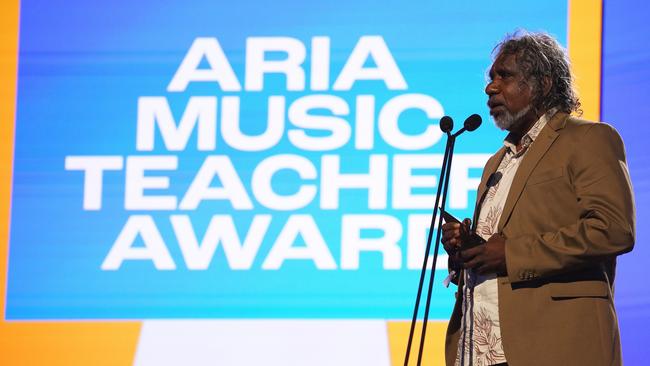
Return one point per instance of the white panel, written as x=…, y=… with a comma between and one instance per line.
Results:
x=263, y=342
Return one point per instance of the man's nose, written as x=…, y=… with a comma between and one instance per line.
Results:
x=492, y=88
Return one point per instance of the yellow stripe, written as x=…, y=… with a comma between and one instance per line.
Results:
x=434, y=347
x=9, y=14
x=68, y=343
x=585, y=45
x=43, y=343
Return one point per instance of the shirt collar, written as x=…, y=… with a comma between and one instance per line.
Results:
x=532, y=133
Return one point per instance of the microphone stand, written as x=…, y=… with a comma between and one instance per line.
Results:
x=444, y=177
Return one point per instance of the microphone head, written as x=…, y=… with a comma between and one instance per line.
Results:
x=446, y=124
x=472, y=122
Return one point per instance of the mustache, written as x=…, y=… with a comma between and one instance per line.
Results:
x=491, y=103
x=508, y=119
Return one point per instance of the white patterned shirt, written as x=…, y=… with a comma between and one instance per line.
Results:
x=480, y=336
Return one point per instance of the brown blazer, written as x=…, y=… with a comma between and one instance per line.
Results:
x=568, y=214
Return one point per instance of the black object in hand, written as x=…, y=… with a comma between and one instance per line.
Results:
x=470, y=240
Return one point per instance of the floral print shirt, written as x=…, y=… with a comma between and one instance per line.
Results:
x=480, y=340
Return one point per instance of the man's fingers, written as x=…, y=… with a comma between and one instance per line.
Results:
x=465, y=227
x=474, y=262
x=450, y=229
x=450, y=226
x=452, y=242
x=452, y=233
x=451, y=237
x=470, y=253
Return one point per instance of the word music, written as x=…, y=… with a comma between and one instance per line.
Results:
x=312, y=148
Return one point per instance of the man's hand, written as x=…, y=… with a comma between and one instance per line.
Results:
x=486, y=258
x=452, y=239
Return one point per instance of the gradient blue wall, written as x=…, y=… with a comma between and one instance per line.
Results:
x=625, y=92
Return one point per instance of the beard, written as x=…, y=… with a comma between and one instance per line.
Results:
x=506, y=120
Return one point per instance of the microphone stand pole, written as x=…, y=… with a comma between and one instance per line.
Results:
x=444, y=176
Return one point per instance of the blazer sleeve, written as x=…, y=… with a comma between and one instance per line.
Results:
x=606, y=224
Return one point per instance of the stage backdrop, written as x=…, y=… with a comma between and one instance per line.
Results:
x=245, y=182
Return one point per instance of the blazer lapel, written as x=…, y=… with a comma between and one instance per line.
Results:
x=535, y=153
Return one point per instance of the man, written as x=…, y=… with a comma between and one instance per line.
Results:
x=555, y=206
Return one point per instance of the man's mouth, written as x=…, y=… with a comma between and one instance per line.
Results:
x=494, y=107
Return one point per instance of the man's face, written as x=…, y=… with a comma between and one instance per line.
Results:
x=510, y=97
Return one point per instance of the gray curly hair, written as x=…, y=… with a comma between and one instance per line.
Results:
x=539, y=55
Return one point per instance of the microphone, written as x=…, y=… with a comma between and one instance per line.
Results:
x=494, y=179
x=447, y=124
x=472, y=122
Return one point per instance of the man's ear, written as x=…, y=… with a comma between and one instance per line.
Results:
x=546, y=85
